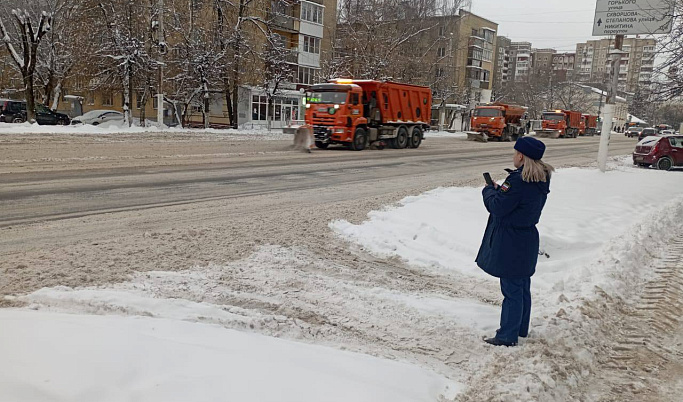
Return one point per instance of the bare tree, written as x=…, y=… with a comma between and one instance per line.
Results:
x=61, y=49
x=669, y=73
x=30, y=28
x=122, y=53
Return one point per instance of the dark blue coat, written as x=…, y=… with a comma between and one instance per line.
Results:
x=510, y=245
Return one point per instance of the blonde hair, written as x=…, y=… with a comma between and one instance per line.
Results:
x=536, y=170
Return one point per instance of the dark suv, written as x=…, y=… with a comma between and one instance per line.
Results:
x=12, y=111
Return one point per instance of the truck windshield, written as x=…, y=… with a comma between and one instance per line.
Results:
x=487, y=113
x=326, y=97
x=556, y=117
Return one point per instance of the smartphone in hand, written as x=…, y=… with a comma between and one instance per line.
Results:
x=489, y=180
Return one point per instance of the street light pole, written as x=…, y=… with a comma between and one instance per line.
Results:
x=610, y=103
x=162, y=52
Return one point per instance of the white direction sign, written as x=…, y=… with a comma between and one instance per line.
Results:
x=632, y=17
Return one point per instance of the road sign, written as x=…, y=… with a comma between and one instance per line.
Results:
x=632, y=17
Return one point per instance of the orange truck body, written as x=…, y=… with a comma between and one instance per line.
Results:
x=591, y=124
x=564, y=122
x=498, y=120
x=359, y=113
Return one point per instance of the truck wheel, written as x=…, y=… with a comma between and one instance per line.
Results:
x=401, y=140
x=416, y=138
x=321, y=145
x=360, y=140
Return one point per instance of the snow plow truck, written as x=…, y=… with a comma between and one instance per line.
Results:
x=560, y=124
x=498, y=121
x=591, y=124
x=362, y=113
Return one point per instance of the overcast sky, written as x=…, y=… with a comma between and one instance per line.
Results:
x=558, y=24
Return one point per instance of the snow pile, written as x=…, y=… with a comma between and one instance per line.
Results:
x=441, y=230
x=601, y=232
x=63, y=357
x=109, y=128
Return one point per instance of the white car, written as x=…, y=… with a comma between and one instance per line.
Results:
x=97, y=117
x=667, y=132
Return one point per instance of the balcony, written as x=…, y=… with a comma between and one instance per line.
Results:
x=292, y=56
x=283, y=18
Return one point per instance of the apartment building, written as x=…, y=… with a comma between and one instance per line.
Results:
x=637, y=63
x=502, y=61
x=474, y=59
x=563, y=66
x=520, y=61
x=542, y=61
x=305, y=28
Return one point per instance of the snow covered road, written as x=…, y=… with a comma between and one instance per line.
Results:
x=394, y=292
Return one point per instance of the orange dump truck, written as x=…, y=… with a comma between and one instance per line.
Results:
x=359, y=113
x=560, y=123
x=496, y=120
x=591, y=124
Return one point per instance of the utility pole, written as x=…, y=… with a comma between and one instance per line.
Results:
x=610, y=103
x=162, y=52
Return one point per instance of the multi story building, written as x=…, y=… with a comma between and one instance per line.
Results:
x=542, y=61
x=474, y=57
x=304, y=28
x=520, y=61
x=563, y=66
x=637, y=62
x=502, y=61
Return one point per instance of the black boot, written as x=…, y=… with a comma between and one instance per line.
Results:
x=497, y=342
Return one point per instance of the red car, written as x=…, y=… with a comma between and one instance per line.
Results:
x=663, y=152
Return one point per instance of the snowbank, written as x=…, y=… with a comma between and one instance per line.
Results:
x=118, y=128
x=602, y=233
x=441, y=230
x=64, y=357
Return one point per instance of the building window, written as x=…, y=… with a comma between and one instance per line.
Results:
x=488, y=35
x=311, y=44
x=311, y=13
x=90, y=98
x=441, y=52
x=441, y=31
x=439, y=72
x=307, y=75
x=107, y=98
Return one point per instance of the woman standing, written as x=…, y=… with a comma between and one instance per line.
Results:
x=509, y=250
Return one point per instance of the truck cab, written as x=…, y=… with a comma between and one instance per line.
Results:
x=489, y=120
x=555, y=120
x=334, y=111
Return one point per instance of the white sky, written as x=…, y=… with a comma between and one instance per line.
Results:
x=558, y=24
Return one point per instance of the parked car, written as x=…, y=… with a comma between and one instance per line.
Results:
x=46, y=116
x=97, y=117
x=12, y=111
x=647, y=132
x=15, y=112
x=633, y=132
x=666, y=132
x=663, y=152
